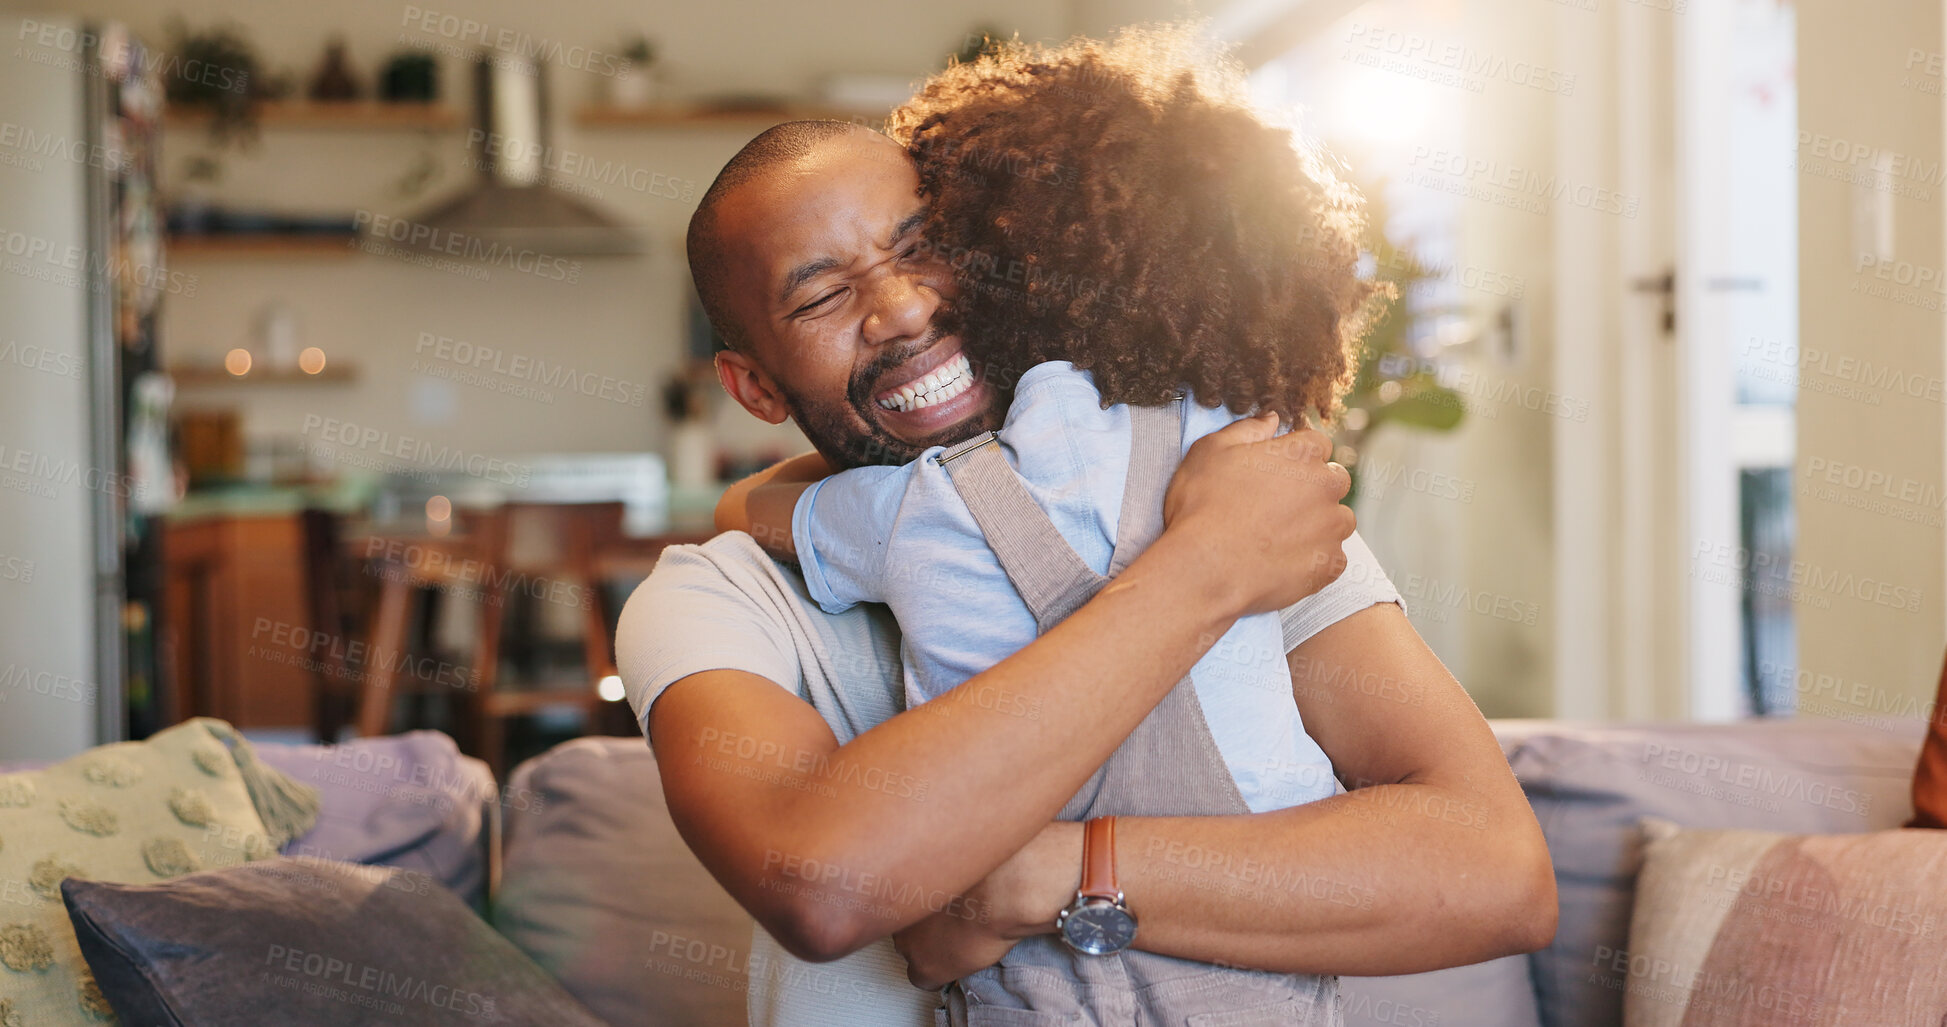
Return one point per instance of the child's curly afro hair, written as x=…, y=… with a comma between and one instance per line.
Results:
x=1120, y=205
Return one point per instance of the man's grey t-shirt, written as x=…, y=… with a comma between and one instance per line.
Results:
x=726, y=605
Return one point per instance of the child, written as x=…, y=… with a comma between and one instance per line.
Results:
x=1123, y=231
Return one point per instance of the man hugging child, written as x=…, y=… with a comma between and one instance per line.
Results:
x=1145, y=261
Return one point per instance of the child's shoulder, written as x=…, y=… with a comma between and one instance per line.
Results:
x=1054, y=378
x=1061, y=382
x=1200, y=420
x=1052, y=398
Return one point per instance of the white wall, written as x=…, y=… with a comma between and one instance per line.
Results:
x=1102, y=17
x=1509, y=535
x=622, y=318
x=1858, y=83
x=47, y=657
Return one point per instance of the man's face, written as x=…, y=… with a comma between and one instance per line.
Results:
x=841, y=304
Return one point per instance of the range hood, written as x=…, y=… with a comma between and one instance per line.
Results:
x=512, y=206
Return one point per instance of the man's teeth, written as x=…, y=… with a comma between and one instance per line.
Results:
x=943, y=383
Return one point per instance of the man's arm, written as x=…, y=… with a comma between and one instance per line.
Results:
x=831, y=847
x=1432, y=860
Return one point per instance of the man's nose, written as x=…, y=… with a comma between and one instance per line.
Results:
x=903, y=305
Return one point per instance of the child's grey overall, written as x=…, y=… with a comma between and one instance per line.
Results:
x=1169, y=766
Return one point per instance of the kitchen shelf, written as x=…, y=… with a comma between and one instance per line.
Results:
x=264, y=244
x=696, y=116
x=333, y=374
x=352, y=114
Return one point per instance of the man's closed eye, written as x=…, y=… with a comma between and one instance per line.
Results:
x=816, y=305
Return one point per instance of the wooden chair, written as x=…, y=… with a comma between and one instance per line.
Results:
x=548, y=552
x=320, y=533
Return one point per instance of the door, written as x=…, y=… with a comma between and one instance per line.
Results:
x=1679, y=320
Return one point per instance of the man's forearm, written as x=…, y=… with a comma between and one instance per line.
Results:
x=1390, y=879
x=1432, y=859
x=1396, y=878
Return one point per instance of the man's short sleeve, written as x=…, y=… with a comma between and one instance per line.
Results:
x=697, y=612
x=1363, y=583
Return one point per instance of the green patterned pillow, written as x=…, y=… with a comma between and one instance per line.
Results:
x=190, y=798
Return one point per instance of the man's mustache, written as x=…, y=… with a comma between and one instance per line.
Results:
x=866, y=379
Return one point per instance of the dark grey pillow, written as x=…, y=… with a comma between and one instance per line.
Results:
x=599, y=888
x=306, y=941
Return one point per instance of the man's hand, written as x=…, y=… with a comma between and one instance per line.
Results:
x=1020, y=899
x=1266, y=509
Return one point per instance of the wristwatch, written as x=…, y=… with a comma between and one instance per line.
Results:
x=1097, y=922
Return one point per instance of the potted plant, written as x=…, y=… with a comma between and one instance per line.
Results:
x=218, y=70
x=1394, y=383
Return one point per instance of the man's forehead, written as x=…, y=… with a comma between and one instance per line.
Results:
x=843, y=171
x=847, y=190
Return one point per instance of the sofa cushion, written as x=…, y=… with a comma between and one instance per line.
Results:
x=302, y=942
x=188, y=798
x=409, y=801
x=1590, y=786
x=1753, y=928
x=599, y=888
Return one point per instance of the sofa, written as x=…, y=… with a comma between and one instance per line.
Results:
x=574, y=858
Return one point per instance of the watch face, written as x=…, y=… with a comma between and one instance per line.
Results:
x=1099, y=928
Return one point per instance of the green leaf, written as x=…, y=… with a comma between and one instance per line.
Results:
x=1424, y=403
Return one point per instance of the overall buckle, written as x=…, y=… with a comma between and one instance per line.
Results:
x=963, y=448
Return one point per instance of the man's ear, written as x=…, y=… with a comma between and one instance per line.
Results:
x=751, y=387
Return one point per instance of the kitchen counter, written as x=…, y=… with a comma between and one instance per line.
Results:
x=346, y=495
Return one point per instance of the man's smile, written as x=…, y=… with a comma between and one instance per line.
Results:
x=929, y=393
x=938, y=385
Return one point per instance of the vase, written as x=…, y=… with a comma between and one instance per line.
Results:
x=632, y=87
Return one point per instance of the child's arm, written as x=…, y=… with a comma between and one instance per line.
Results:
x=762, y=503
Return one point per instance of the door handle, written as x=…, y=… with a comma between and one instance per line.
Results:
x=1664, y=285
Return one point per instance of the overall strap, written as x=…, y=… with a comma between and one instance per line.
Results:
x=1051, y=579
x=1155, y=448
x=1169, y=765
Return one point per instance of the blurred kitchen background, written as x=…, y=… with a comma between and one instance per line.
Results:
x=350, y=374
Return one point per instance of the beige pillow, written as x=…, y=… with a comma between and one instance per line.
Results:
x=190, y=798
x=1755, y=928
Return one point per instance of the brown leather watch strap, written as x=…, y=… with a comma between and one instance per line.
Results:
x=1098, y=859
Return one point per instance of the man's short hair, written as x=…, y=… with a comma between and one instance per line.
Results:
x=709, y=265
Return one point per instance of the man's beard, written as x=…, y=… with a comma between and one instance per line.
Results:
x=833, y=427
